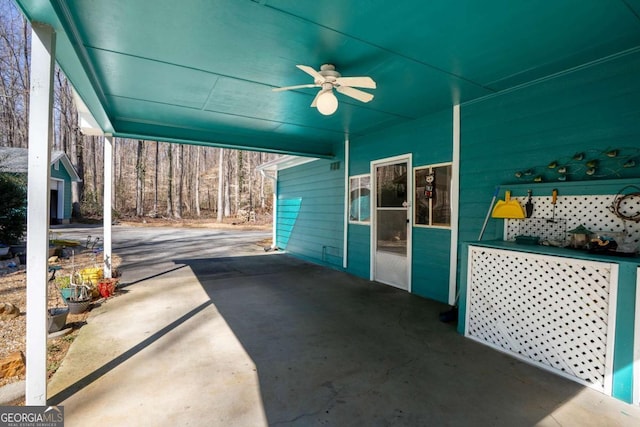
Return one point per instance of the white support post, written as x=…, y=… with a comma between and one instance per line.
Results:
x=106, y=203
x=274, y=231
x=455, y=197
x=345, y=224
x=40, y=143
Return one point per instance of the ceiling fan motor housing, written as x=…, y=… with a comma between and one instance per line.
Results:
x=328, y=71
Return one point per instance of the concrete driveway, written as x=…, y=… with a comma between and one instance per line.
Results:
x=211, y=330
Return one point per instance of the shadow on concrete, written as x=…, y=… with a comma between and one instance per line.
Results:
x=153, y=276
x=112, y=364
x=334, y=349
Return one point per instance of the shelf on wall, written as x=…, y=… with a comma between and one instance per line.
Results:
x=571, y=188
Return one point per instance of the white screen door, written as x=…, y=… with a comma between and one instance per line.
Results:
x=391, y=231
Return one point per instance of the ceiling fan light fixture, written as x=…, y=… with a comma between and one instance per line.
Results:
x=327, y=103
x=329, y=79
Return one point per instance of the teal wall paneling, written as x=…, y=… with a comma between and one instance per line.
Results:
x=594, y=108
x=288, y=210
x=431, y=257
x=359, y=250
x=429, y=140
x=62, y=174
x=624, y=335
x=311, y=211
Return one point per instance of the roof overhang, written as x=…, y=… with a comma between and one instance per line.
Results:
x=202, y=72
x=284, y=162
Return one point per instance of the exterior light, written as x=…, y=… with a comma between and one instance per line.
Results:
x=327, y=103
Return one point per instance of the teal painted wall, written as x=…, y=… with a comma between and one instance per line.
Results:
x=431, y=255
x=288, y=211
x=62, y=173
x=311, y=212
x=590, y=110
x=596, y=108
x=624, y=335
x=359, y=250
x=429, y=140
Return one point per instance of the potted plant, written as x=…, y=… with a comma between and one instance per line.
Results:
x=63, y=284
x=90, y=277
x=57, y=318
x=107, y=286
x=79, y=300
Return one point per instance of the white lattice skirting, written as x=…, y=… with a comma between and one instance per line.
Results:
x=551, y=311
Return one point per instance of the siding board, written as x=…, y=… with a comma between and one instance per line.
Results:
x=313, y=230
x=429, y=142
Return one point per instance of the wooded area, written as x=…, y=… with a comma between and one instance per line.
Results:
x=150, y=178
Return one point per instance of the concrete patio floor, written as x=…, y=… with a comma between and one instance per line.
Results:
x=266, y=339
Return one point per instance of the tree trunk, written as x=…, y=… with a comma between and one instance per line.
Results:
x=94, y=159
x=120, y=193
x=155, y=181
x=140, y=172
x=227, y=199
x=177, y=211
x=227, y=186
x=250, y=179
x=262, y=195
x=220, y=206
x=170, y=180
x=197, y=183
x=239, y=180
x=77, y=188
x=27, y=78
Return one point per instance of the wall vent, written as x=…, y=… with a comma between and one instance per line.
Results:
x=335, y=166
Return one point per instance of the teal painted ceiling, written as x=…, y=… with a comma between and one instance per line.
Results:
x=202, y=71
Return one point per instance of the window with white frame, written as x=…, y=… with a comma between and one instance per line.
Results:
x=359, y=198
x=432, y=205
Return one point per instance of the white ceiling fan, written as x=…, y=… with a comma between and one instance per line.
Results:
x=327, y=79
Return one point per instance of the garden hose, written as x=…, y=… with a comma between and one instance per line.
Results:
x=618, y=201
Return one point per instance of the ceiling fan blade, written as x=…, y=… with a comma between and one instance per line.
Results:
x=365, y=82
x=315, y=100
x=355, y=93
x=280, y=89
x=317, y=77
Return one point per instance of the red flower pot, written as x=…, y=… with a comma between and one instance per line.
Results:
x=107, y=287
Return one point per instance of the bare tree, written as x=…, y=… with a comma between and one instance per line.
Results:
x=197, y=182
x=170, y=181
x=14, y=76
x=221, y=205
x=177, y=210
x=140, y=174
x=155, y=180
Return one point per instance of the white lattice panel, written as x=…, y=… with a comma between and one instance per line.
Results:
x=551, y=311
x=591, y=211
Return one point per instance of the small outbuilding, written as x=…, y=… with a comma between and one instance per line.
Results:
x=16, y=159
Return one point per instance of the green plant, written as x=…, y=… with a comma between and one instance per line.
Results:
x=13, y=204
x=63, y=282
